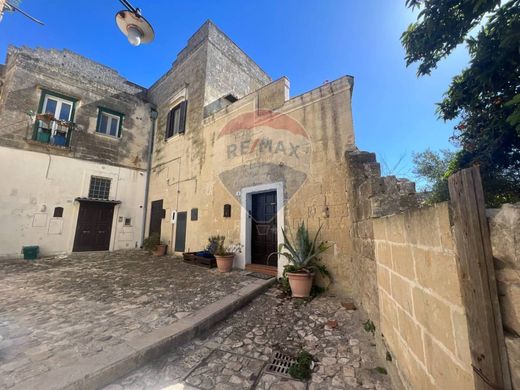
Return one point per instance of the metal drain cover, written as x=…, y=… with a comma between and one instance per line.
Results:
x=279, y=364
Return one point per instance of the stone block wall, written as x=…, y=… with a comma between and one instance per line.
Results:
x=504, y=227
x=422, y=316
x=370, y=195
x=28, y=72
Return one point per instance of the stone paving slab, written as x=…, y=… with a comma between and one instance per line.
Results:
x=234, y=354
x=225, y=368
x=56, y=311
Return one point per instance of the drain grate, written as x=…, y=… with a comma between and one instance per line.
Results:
x=280, y=364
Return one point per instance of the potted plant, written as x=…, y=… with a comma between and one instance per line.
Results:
x=302, y=254
x=224, y=255
x=154, y=245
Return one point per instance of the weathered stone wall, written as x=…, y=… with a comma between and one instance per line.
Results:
x=229, y=69
x=208, y=68
x=504, y=226
x=370, y=196
x=324, y=113
x=36, y=183
x=422, y=315
x=28, y=71
x=187, y=169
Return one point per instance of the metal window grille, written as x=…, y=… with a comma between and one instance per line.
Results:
x=99, y=188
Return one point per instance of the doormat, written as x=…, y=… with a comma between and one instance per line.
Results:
x=259, y=275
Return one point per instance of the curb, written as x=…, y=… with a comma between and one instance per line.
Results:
x=104, y=368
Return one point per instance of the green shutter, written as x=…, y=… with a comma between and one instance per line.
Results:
x=109, y=111
x=183, y=110
x=120, y=127
x=167, y=133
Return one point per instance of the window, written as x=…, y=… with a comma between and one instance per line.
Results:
x=176, y=121
x=109, y=122
x=58, y=212
x=128, y=221
x=53, y=122
x=99, y=188
x=194, y=214
x=59, y=108
x=231, y=98
x=227, y=211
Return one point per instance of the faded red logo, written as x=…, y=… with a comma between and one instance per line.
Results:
x=262, y=147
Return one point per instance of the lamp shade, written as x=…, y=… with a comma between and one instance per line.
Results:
x=135, y=27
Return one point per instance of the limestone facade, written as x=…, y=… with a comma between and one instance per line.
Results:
x=422, y=316
x=504, y=227
x=300, y=142
x=51, y=163
x=242, y=134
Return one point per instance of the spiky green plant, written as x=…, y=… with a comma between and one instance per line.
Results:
x=302, y=252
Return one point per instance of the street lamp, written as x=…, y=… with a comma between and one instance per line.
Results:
x=133, y=25
x=13, y=5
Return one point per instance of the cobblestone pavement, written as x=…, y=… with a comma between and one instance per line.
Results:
x=235, y=353
x=54, y=311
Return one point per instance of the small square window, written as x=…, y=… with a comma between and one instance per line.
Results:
x=109, y=122
x=99, y=188
x=128, y=221
x=194, y=214
x=227, y=211
x=58, y=212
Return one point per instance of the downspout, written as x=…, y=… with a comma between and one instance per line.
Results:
x=153, y=116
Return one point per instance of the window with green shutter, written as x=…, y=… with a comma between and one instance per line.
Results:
x=109, y=122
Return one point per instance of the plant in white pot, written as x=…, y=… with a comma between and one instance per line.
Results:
x=304, y=262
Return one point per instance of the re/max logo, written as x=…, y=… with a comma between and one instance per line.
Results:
x=263, y=145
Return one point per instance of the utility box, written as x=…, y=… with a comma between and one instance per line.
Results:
x=30, y=252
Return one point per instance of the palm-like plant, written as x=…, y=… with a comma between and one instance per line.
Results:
x=302, y=252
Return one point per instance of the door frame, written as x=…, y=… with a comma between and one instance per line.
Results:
x=246, y=201
x=151, y=216
x=75, y=221
x=174, y=241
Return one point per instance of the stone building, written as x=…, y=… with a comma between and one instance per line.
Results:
x=73, y=154
x=244, y=159
x=233, y=154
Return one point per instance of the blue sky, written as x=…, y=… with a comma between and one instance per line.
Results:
x=307, y=41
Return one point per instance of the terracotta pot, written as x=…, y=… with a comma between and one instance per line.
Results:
x=160, y=250
x=225, y=263
x=301, y=284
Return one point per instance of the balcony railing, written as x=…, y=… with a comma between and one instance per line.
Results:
x=52, y=131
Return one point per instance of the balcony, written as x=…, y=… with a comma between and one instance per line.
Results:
x=52, y=131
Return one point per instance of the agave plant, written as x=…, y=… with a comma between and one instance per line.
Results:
x=302, y=252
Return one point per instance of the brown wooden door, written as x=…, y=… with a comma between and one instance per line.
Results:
x=94, y=227
x=264, y=237
x=156, y=217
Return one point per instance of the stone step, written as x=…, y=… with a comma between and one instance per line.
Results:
x=262, y=269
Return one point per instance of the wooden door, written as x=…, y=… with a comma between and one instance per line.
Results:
x=156, y=217
x=264, y=237
x=180, y=231
x=94, y=227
